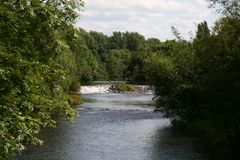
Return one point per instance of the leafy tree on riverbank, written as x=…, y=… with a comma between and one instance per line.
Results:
x=36, y=68
x=197, y=85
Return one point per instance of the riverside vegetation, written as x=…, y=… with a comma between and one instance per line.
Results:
x=43, y=58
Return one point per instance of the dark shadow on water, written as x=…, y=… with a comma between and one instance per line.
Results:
x=170, y=144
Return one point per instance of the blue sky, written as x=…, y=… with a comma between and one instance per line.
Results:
x=151, y=18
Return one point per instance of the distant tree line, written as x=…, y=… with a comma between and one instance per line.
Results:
x=113, y=55
x=121, y=56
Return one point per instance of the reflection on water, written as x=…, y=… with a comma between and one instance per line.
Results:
x=115, y=127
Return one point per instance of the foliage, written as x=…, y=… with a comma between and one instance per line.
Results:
x=123, y=87
x=198, y=82
x=118, y=41
x=227, y=7
x=116, y=64
x=135, y=72
x=89, y=66
x=75, y=86
x=36, y=69
x=74, y=99
x=100, y=57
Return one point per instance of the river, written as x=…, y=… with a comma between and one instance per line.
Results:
x=115, y=126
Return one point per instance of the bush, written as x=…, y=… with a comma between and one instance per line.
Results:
x=122, y=87
x=75, y=86
x=74, y=99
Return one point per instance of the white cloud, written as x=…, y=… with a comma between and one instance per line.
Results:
x=152, y=18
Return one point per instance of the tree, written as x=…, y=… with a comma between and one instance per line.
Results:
x=101, y=44
x=203, y=31
x=197, y=84
x=153, y=44
x=176, y=33
x=116, y=64
x=118, y=41
x=134, y=41
x=228, y=7
x=35, y=68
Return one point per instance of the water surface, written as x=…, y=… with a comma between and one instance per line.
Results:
x=115, y=127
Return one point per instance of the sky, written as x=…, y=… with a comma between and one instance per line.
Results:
x=151, y=18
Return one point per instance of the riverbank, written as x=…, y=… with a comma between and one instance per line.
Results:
x=74, y=99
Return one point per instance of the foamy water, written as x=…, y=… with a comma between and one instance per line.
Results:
x=95, y=89
x=98, y=89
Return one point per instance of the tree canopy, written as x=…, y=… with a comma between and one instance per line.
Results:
x=36, y=68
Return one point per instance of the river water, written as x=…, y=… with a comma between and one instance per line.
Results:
x=115, y=127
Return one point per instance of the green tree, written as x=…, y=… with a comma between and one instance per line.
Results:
x=227, y=7
x=203, y=31
x=118, y=41
x=134, y=41
x=136, y=66
x=153, y=44
x=116, y=64
x=101, y=44
x=89, y=65
x=34, y=70
x=196, y=85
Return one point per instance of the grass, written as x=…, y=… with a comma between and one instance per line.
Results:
x=74, y=99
